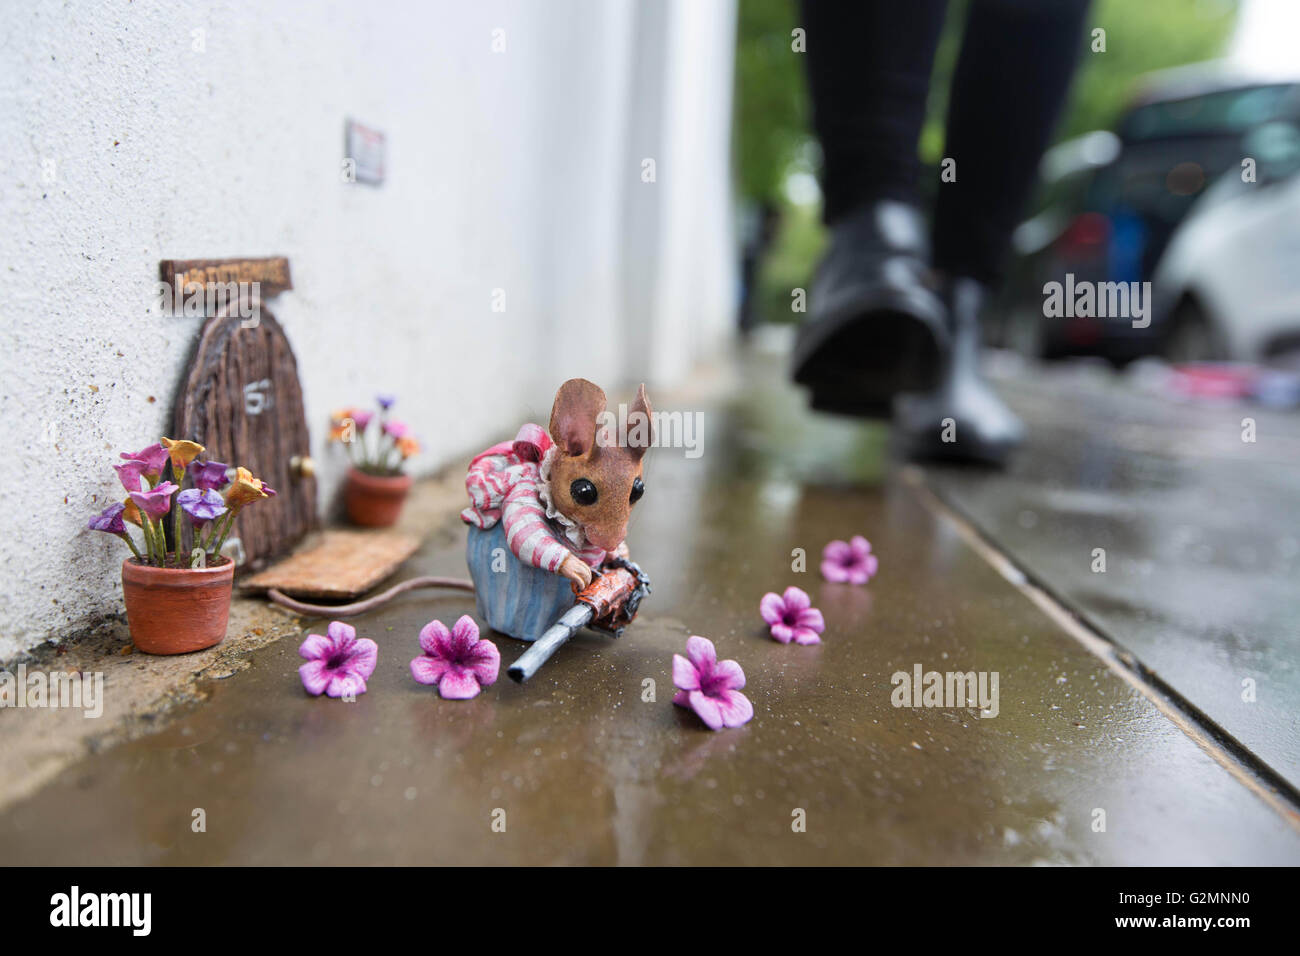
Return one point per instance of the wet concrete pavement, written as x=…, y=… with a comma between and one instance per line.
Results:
x=1200, y=530
x=585, y=770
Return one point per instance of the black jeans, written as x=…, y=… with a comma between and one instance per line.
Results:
x=869, y=64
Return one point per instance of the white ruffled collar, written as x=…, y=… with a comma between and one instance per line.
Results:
x=571, y=529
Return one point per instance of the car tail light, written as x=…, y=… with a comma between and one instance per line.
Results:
x=1086, y=235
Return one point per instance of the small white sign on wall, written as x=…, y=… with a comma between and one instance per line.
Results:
x=366, y=149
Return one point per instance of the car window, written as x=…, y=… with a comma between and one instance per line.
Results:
x=1227, y=111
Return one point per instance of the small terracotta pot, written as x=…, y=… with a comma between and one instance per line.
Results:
x=373, y=501
x=177, y=610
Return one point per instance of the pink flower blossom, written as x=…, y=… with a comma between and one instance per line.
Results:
x=710, y=687
x=397, y=429
x=792, y=616
x=850, y=561
x=154, y=458
x=338, y=664
x=131, y=474
x=456, y=660
x=157, y=501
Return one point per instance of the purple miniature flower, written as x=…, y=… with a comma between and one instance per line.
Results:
x=710, y=687
x=337, y=665
x=386, y=401
x=360, y=417
x=110, y=520
x=131, y=474
x=850, y=561
x=157, y=501
x=154, y=458
x=209, y=475
x=202, y=505
x=397, y=429
x=457, y=660
x=792, y=617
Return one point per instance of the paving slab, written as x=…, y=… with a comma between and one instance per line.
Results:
x=1200, y=532
x=583, y=768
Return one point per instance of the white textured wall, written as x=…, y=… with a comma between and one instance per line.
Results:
x=518, y=170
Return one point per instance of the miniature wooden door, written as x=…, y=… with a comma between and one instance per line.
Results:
x=241, y=400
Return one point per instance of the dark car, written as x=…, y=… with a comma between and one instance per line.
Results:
x=1115, y=200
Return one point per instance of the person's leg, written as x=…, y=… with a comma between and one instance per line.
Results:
x=869, y=74
x=1011, y=81
x=1017, y=59
x=875, y=326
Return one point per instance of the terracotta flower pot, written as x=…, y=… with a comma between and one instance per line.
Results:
x=373, y=501
x=177, y=610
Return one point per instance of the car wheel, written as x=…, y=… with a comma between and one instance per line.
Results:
x=1192, y=336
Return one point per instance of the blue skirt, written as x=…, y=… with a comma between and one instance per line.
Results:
x=514, y=598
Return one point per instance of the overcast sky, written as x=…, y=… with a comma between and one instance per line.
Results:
x=1267, y=35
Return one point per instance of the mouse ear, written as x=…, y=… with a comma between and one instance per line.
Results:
x=573, y=416
x=640, y=425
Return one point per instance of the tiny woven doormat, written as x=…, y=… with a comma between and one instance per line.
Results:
x=337, y=564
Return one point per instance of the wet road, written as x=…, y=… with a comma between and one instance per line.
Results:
x=582, y=769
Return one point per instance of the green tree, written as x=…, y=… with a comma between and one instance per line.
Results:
x=772, y=135
x=771, y=102
x=1141, y=37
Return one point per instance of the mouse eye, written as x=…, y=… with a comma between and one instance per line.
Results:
x=638, y=489
x=583, y=492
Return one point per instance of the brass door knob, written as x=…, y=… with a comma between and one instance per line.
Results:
x=304, y=466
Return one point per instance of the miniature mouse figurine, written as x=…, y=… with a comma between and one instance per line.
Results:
x=548, y=514
x=549, y=509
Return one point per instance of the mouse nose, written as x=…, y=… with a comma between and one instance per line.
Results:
x=607, y=541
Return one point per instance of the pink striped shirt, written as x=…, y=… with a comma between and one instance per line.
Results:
x=504, y=484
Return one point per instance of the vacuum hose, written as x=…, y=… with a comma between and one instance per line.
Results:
x=608, y=603
x=369, y=604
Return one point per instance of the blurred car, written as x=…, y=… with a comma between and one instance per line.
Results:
x=1115, y=201
x=1228, y=286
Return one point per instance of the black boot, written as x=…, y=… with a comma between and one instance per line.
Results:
x=876, y=326
x=963, y=419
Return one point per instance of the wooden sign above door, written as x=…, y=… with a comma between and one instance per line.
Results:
x=271, y=273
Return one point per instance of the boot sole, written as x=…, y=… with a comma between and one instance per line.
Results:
x=857, y=364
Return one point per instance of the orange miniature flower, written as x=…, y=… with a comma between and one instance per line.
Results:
x=245, y=488
x=131, y=513
x=182, y=452
x=339, y=424
x=346, y=422
x=408, y=447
